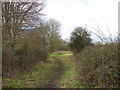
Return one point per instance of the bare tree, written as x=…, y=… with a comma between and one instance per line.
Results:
x=101, y=35
x=16, y=15
x=51, y=33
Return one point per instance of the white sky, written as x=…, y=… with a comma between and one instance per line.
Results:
x=73, y=13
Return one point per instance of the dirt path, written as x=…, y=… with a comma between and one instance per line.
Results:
x=66, y=72
x=54, y=83
x=59, y=71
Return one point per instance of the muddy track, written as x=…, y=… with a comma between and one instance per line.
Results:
x=54, y=83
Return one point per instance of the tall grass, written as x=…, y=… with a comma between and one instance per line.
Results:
x=98, y=65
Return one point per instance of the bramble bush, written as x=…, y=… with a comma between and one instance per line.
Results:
x=98, y=65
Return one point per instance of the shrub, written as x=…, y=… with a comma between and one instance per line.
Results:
x=21, y=55
x=98, y=65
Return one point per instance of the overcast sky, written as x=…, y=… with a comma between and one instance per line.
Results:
x=92, y=13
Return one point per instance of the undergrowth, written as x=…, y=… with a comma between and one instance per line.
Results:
x=98, y=65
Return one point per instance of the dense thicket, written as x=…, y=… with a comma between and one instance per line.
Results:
x=25, y=53
x=98, y=65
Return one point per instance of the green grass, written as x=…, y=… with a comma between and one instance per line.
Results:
x=37, y=77
x=69, y=79
x=59, y=70
x=61, y=53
